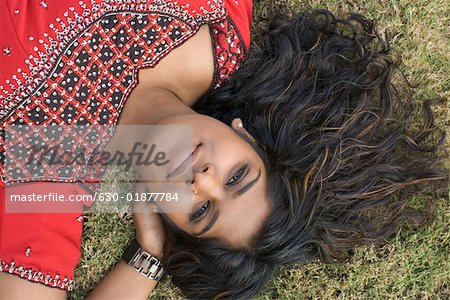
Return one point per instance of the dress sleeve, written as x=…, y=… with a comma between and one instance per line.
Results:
x=231, y=40
x=41, y=247
x=240, y=12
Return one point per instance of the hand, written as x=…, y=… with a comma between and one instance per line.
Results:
x=150, y=232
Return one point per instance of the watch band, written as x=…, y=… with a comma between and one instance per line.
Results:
x=143, y=262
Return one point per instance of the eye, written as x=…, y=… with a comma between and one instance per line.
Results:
x=201, y=212
x=237, y=177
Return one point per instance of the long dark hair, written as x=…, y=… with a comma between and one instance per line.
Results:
x=339, y=145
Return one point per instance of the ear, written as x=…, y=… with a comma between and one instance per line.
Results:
x=238, y=125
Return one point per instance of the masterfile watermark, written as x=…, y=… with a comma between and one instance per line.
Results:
x=140, y=155
x=61, y=168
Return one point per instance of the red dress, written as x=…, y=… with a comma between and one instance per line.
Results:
x=75, y=63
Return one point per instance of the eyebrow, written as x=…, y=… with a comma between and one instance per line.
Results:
x=248, y=186
x=240, y=192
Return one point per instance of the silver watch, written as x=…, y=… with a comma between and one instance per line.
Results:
x=143, y=262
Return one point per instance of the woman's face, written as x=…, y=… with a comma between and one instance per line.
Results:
x=229, y=180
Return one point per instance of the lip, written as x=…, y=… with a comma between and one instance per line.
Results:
x=185, y=164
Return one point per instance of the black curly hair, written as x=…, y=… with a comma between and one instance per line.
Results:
x=341, y=155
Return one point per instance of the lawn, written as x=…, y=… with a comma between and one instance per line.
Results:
x=415, y=264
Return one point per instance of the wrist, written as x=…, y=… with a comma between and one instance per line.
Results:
x=151, y=248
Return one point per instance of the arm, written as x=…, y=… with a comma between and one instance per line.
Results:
x=13, y=287
x=123, y=282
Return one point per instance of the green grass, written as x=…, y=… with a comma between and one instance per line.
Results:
x=415, y=264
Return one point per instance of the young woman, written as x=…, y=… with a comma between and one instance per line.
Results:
x=313, y=156
x=109, y=63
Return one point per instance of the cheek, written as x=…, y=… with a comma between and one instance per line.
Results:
x=177, y=219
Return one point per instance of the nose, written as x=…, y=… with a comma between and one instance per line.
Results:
x=203, y=169
x=202, y=176
x=206, y=182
